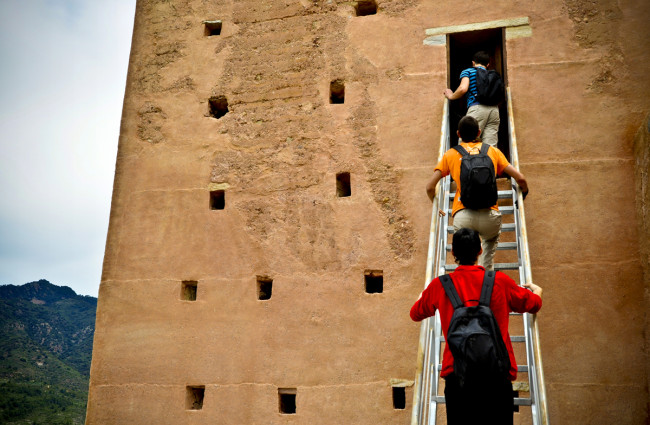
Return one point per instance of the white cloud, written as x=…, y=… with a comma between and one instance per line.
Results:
x=62, y=79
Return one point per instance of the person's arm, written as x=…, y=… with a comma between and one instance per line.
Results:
x=460, y=91
x=423, y=307
x=431, y=186
x=519, y=178
x=521, y=300
x=534, y=288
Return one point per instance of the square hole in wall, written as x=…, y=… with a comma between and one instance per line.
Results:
x=287, y=400
x=188, y=290
x=337, y=91
x=343, y=187
x=194, y=397
x=217, y=199
x=399, y=398
x=366, y=7
x=212, y=28
x=218, y=106
x=374, y=281
x=264, y=287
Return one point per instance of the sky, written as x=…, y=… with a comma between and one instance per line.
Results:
x=63, y=66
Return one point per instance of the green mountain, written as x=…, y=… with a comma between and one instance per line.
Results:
x=46, y=339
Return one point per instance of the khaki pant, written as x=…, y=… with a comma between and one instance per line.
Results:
x=487, y=222
x=488, y=121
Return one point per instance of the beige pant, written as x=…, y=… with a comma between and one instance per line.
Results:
x=487, y=222
x=488, y=121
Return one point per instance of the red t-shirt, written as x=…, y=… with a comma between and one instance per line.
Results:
x=507, y=297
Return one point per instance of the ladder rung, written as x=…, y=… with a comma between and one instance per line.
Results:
x=497, y=266
x=502, y=194
x=501, y=246
x=505, y=227
x=506, y=266
x=516, y=338
x=519, y=401
x=520, y=368
x=506, y=209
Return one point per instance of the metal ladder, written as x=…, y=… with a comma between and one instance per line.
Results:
x=523, y=328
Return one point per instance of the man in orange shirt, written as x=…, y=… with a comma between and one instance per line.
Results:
x=486, y=221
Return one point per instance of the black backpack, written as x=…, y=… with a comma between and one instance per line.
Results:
x=489, y=87
x=474, y=338
x=478, y=180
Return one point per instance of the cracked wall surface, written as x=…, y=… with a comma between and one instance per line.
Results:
x=642, y=184
x=578, y=101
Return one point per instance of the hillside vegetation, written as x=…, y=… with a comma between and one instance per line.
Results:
x=46, y=337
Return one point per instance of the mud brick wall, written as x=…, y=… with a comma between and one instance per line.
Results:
x=240, y=280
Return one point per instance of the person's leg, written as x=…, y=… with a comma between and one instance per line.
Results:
x=491, y=127
x=502, y=402
x=489, y=227
x=480, y=114
x=464, y=218
x=487, y=223
x=492, y=401
x=456, y=402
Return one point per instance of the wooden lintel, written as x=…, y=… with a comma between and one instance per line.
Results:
x=499, y=23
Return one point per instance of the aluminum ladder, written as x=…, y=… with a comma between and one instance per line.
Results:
x=513, y=246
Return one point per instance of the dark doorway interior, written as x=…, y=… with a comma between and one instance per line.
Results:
x=461, y=47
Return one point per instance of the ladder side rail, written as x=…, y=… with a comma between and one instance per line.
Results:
x=433, y=370
x=528, y=336
x=439, y=269
x=422, y=383
x=420, y=408
x=524, y=276
x=442, y=203
x=426, y=384
x=536, y=374
x=530, y=360
x=434, y=322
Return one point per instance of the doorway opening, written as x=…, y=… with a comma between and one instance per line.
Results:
x=461, y=47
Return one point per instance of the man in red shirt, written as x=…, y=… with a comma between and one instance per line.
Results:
x=486, y=403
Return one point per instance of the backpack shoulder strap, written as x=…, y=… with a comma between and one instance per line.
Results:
x=494, y=72
x=486, y=291
x=450, y=290
x=485, y=148
x=461, y=150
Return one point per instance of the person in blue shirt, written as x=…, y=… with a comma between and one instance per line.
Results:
x=487, y=116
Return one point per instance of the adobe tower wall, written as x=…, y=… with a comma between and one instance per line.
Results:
x=227, y=201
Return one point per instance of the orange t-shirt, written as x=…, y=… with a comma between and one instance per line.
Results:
x=450, y=164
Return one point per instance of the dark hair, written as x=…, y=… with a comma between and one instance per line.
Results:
x=481, y=58
x=466, y=245
x=468, y=128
